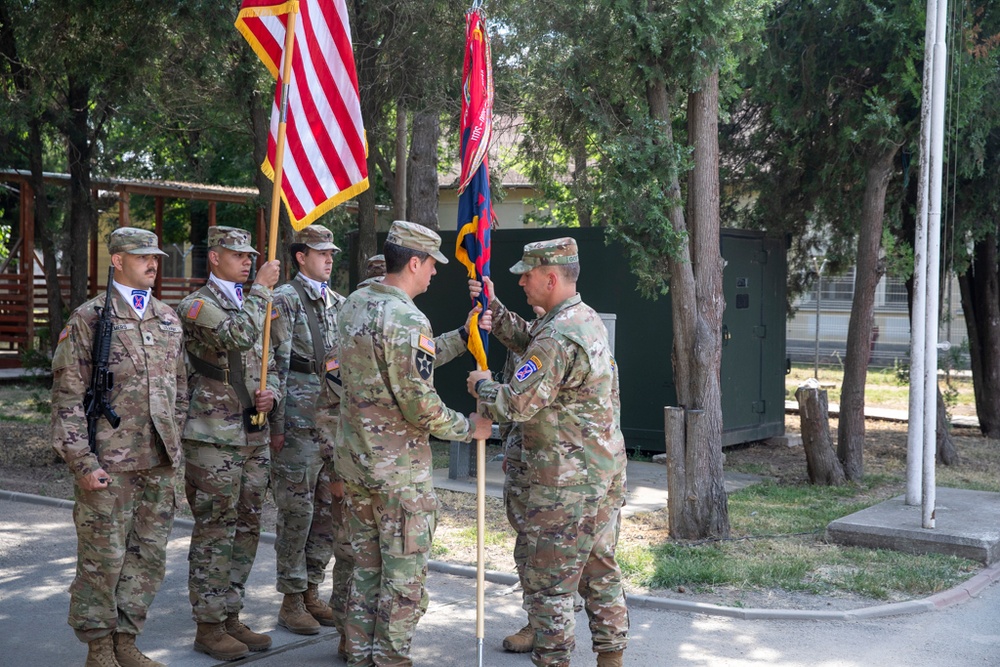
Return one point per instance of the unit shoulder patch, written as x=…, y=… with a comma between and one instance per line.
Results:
x=528, y=368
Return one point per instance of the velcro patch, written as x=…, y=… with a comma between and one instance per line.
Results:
x=332, y=365
x=123, y=327
x=427, y=344
x=532, y=365
x=274, y=313
x=64, y=334
x=195, y=308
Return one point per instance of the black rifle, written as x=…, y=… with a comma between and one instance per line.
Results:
x=97, y=401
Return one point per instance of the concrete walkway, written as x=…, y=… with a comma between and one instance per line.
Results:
x=37, y=557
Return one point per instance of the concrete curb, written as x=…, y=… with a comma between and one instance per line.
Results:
x=956, y=595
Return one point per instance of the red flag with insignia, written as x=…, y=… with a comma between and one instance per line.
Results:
x=475, y=209
x=325, y=154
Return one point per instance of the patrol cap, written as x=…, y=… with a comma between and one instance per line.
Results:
x=547, y=253
x=416, y=237
x=316, y=237
x=134, y=241
x=230, y=238
x=375, y=266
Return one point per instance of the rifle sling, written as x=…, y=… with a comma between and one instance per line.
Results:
x=319, y=351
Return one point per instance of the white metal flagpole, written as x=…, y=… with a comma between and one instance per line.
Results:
x=934, y=262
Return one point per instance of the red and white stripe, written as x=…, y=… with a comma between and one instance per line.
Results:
x=324, y=162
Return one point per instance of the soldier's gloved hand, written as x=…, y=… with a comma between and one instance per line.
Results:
x=474, y=377
x=95, y=480
x=482, y=427
x=263, y=400
x=267, y=275
x=277, y=442
x=337, y=489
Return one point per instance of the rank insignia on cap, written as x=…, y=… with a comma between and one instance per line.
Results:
x=64, y=334
x=528, y=368
x=195, y=308
x=332, y=365
x=427, y=344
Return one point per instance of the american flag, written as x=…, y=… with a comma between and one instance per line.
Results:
x=325, y=153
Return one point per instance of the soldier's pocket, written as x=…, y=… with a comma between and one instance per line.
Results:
x=419, y=519
x=286, y=474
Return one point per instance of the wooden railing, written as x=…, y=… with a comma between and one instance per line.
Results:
x=17, y=334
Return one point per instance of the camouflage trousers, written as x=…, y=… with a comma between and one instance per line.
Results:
x=225, y=487
x=121, y=551
x=343, y=566
x=301, y=488
x=391, y=532
x=515, y=496
x=572, y=533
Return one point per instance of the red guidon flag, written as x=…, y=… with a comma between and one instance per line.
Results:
x=324, y=162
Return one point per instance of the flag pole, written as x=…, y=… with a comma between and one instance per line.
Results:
x=480, y=546
x=279, y=157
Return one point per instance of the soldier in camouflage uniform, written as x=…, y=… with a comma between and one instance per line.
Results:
x=565, y=393
x=389, y=408
x=226, y=452
x=125, y=490
x=301, y=456
x=374, y=271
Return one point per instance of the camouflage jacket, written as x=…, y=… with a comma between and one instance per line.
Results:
x=292, y=340
x=510, y=432
x=565, y=392
x=389, y=407
x=150, y=388
x=212, y=326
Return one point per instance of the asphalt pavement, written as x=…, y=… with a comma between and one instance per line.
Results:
x=957, y=628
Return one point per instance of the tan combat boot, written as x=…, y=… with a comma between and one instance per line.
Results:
x=610, y=659
x=101, y=653
x=238, y=630
x=521, y=641
x=128, y=655
x=317, y=608
x=213, y=640
x=295, y=618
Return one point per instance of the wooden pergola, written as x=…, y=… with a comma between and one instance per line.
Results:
x=20, y=290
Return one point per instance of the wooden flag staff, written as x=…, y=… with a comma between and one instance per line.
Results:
x=279, y=156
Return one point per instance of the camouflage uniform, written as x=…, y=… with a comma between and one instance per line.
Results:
x=389, y=409
x=328, y=428
x=566, y=394
x=226, y=466
x=115, y=583
x=301, y=470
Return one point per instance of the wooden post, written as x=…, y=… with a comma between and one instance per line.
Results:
x=211, y=214
x=158, y=228
x=673, y=431
x=28, y=260
x=123, y=213
x=92, y=268
x=822, y=463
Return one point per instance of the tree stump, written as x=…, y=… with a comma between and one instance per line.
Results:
x=822, y=463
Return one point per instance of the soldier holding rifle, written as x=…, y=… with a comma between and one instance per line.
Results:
x=124, y=476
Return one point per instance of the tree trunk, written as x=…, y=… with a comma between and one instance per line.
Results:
x=822, y=464
x=851, y=433
x=399, y=184
x=980, y=290
x=82, y=216
x=945, y=446
x=699, y=508
x=43, y=235
x=581, y=185
x=422, y=184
